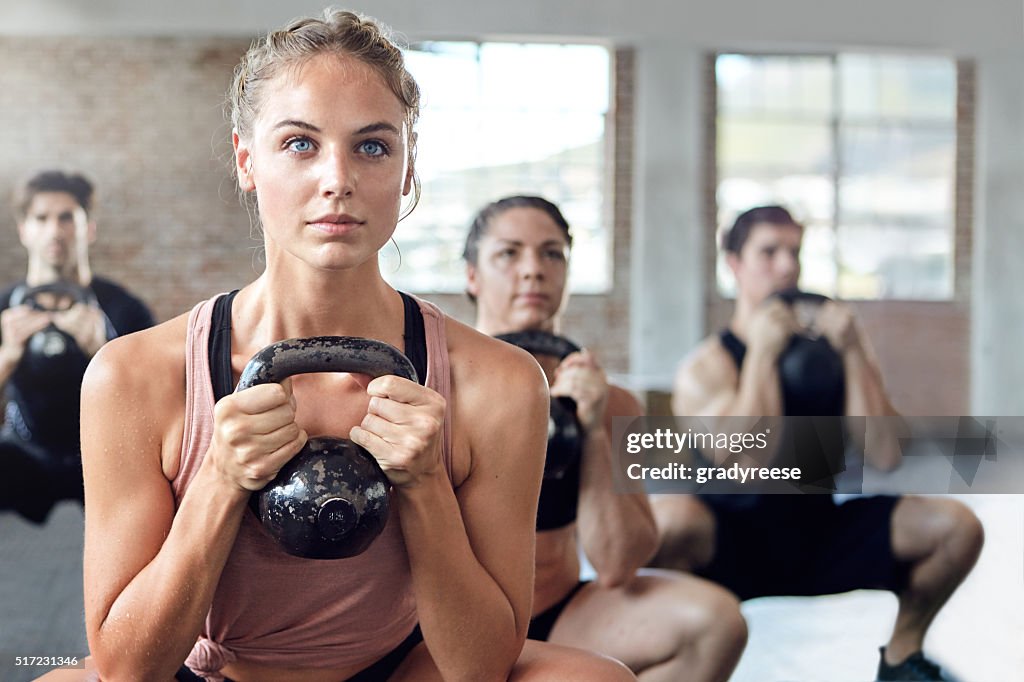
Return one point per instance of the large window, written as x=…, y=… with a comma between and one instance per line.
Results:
x=862, y=148
x=501, y=119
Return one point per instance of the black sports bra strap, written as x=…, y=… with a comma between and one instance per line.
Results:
x=220, y=342
x=415, y=336
x=220, y=346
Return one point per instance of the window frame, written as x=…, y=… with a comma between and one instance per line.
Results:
x=606, y=207
x=962, y=180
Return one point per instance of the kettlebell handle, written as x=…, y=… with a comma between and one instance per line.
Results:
x=283, y=359
x=29, y=296
x=791, y=296
x=330, y=501
x=541, y=343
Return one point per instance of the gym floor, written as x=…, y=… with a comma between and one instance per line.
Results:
x=978, y=636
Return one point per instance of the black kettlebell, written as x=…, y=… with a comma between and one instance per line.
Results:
x=52, y=351
x=565, y=434
x=810, y=369
x=331, y=500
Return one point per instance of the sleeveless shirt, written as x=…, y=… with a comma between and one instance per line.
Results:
x=274, y=609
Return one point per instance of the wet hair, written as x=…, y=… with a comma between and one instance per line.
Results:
x=482, y=220
x=53, y=181
x=336, y=32
x=736, y=236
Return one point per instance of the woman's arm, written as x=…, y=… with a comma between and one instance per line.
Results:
x=617, y=529
x=472, y=550
x=150, y=570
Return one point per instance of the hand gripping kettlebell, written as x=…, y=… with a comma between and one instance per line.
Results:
x=331, y=500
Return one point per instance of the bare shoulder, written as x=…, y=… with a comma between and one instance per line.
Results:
x=622, y=403
x=139, y=378
x=499, y=410
x=702, y=377
x=487, y=373
x=142, y=358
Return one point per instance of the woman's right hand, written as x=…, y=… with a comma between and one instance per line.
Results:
x=255, y=434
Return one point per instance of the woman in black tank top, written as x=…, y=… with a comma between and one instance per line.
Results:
x=517, y=256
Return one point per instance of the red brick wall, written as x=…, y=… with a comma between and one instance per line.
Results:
x=144, y=119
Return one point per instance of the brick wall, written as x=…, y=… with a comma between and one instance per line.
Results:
x=143, y=117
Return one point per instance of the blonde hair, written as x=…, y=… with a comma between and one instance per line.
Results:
x=337, y=32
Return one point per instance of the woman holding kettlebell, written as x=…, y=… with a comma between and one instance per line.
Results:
x=663, y=625
x=177, y=568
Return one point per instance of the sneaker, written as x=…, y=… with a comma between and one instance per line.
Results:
x=915, y=668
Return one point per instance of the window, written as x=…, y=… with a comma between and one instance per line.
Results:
x=500, y=119
x=861, y=148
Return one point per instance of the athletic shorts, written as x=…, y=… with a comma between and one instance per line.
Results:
x=543, y=623
x=803, y=545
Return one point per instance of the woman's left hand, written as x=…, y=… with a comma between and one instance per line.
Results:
x=580, y=377
x=402, y=430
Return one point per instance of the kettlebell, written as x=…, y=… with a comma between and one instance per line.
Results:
x=809, y=368
x=51, y=351
x=565, y=434
x=331, y=500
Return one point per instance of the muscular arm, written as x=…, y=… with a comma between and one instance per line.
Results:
x=617, y=530
x=708, y=384
x=472, y=550
x=866, y=396
x=865, y=391
x=150, y=570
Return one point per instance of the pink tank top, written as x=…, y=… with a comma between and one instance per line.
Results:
x=274, y=609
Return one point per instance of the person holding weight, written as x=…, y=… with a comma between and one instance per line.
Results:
x=918, y=548
x=178, y=568
x=664, y=625
x=51, y=324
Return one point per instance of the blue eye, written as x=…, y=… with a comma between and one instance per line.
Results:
x=299, y=145
x=373, y=148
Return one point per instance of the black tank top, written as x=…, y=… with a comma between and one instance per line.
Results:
x=220, y=342
x=813, y=445
x=831, y=404
x=558, y=498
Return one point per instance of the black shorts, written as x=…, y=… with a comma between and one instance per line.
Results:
x=803, y=545
x=378, y=672
x=33, y=478
x=542, y=624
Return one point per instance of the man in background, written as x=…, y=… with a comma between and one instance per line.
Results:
x=52, y=322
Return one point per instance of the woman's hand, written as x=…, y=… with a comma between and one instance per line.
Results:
x=255, y=434
x=580, y=377
x=402, y=430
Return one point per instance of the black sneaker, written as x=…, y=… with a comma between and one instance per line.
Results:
x=915, y=668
